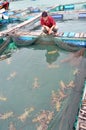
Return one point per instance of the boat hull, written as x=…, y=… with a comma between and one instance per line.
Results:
x=64, y=42
x=23, y=40
x=70, y=44
x=46, y=40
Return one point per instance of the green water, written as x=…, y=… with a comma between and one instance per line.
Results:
x=18, y=75
x=30, y=75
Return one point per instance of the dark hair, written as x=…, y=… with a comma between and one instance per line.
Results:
x=44, y=14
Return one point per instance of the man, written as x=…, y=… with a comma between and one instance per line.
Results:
x=6, y=4
x=48, y=23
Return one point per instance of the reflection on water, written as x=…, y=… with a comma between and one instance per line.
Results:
x=51, y=54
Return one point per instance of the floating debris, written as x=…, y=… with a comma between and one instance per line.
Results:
x=54, y=97
x=53, y=66
x=58, y=106
x=71, y=84
x=43, y=119
x=76, y=71
x=62, y=95
x=57, y=98
x=6, y=115
x=39, y=127
x=25, y=114
x=3, y=98
x=9, y=61
x=62, y=84
x=11, y=126
x=12, y=75
x=52, y=52
x=5, y=56
x=42, y=127
x=36, y=83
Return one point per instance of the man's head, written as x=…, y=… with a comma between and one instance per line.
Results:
x=44, y=15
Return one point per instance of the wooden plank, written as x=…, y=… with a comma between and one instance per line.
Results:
x=32, y=33
x=77, y=35
x=85, y=35
x=60, y=34
x=82, y=35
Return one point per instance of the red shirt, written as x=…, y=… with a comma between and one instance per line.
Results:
x=49, y=22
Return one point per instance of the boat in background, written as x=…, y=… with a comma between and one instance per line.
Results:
x=70, y=7
x=69, y=11
x=10, y=19
x=23, y=38
x=7, y=18
x=71, y=41
x=25, y=14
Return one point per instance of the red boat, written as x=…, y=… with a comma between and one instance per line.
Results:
x=4, y=5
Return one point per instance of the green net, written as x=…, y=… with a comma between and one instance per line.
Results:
x=38, y=91
x=12, y=46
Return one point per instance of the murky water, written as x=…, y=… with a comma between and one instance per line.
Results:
x=39, y=88
x=37, y=78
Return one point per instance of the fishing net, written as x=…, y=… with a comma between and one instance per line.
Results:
x=78, y=121
x=33, y=101
x=67, y=46
x=4, y=44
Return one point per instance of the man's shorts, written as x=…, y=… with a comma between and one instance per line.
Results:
x=54, y=30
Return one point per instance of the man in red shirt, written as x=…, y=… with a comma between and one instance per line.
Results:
x=48, y=23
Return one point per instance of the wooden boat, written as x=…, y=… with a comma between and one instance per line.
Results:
x=23, y=38
x=69, y=41
x=25, y=14
x=4, y=43
x=62, y=16
x=71, y=6
x=7, y=16
x=69, y=11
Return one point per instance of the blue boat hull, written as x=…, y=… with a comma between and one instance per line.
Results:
x=66, y=41
x=24, y=40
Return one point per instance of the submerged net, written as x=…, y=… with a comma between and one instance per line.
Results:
x=47, y=102
x=68, y=47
